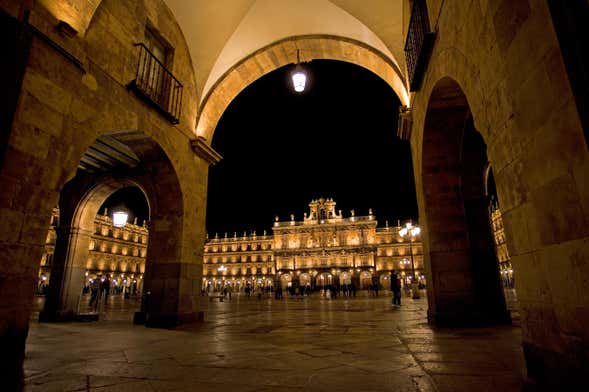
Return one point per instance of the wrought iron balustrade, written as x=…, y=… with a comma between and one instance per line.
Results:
x=156, y=85
x=418, y=44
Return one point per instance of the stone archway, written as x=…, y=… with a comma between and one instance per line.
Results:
x=284, y=52
x=384, y=280
x=365, y=280
x=79, y=203
x=285, y=279
x=324, y=279
x=305, y=279
x=465, y=286
x=168, y=280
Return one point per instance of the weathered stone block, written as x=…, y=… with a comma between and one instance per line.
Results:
x=39, y=119
x=11, y=226
x=47, y=92
x=557, y=214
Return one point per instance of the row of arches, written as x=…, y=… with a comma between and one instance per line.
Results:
x=454, y=179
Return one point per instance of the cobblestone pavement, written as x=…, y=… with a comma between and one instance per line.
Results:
x=310, y=344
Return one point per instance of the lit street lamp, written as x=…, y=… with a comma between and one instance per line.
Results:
x=119, y=217
x=299, y=79
x=411, y=231
x=299, y=76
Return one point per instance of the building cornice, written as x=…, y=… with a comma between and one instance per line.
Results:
x=204, y=151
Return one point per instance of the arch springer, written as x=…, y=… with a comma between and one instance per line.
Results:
x=204, y=151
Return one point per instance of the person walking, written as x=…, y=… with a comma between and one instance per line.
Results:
x=106, y=289
x=396, y=288
x=94, y=289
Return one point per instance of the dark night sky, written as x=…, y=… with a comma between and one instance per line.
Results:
x=281, y=149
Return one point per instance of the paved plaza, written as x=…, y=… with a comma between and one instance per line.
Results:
x=310, y=344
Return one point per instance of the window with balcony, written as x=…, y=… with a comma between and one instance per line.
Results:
x=153, y=82
x=419, y=43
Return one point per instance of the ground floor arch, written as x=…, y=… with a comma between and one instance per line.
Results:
x=172, y=263
x=365, y=280
x=285, y=280
x=324, y=279
x=305, y=279
x=464, y=275
x=384, y=280
x=79, y=203
x=345, y=278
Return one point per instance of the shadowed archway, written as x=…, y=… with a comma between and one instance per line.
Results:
x=464, y=279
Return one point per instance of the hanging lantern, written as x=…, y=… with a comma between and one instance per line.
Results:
x=299, y=76
x=299, y=79
x=119, y=217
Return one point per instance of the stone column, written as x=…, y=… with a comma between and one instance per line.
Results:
x=172, y=276
x=17, y=285
x=67, y=274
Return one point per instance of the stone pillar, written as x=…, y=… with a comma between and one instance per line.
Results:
x=171, y=284
x=67, y=274
x=172, y=295
x=464, y=289
x=17, y=279
x=16, y=289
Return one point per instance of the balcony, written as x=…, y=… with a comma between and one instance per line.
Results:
x=419, y=44
x=156, y=86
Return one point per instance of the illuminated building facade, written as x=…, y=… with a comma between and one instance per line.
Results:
x=238, y=261
x=505, y=268
x=324, y=248
x=118, y=252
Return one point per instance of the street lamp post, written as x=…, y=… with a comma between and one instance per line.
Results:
x=411, y=231
x=403, y=264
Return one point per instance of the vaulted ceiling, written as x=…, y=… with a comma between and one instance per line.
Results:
x=221, y=33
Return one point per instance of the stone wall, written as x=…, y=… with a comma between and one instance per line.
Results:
x=507, y=61
x=69, y=98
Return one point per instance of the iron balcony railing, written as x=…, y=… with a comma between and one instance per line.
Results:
x=419, y=43
x=157, y=86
